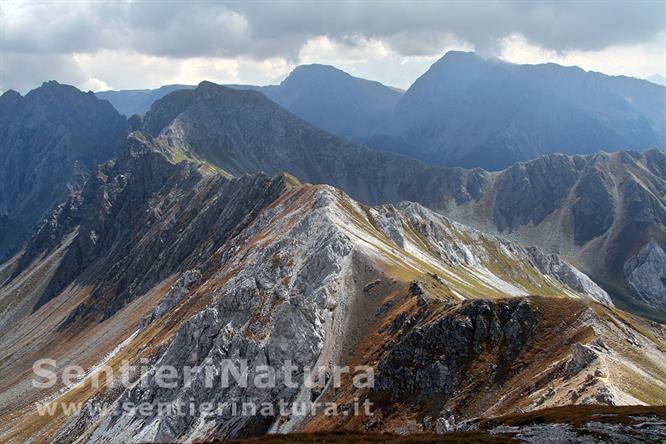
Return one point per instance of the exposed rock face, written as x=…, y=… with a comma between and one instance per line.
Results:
x=244, y=132
x=140, y=197
x=176, y=293
x=50, y=141
x=527, y=193
x=594, y=209
x=646, y=274
x=599, y=209
x=431, y=359
x=553, y=265
x=581, y=357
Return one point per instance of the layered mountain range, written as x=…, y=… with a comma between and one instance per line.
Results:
x=470, y=111
x=600, y=210
x=164, y=263
x=221, y=226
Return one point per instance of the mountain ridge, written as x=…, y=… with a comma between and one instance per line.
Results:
x=471, y=111
x=184, y=259
x=50, y=140
x=576, y=204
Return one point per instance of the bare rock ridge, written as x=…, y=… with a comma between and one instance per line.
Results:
x=133, y=198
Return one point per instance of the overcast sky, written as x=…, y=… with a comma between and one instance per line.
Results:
x=144, y=44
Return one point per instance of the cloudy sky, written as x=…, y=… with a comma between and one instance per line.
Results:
x=123, y=44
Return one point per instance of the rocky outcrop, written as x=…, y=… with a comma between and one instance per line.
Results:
x=429, y=360
x=124, y=242
x=553, y=265
x=581, y=357
x=646, y=274
x=175, y=294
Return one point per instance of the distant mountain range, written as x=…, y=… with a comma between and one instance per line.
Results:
x=469, y=111
x=323, y=95
x=137, y=101
x=605, y=210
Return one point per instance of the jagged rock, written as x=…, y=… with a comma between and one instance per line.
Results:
x=646, y=274
x=553, y=265
x=581, y=357
x=51, y=140
x=173, y=296
x=415, y=288
x=443, y=425
x=429, y=359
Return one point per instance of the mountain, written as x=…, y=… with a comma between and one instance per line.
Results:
x=658, y=79
x=50, y=140
x=242, y=131
x=474, y=112
x=600, y=209
x=323, y=95
x=605, y=210
x=160, y=263
x=333, y=100
x=467, y=110
x=137, y=101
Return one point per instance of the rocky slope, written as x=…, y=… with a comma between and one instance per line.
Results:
x=474, y=112
x=599, y=209
x=603, y=210
x=243, y=132
x=165, y=263
x=50, y=140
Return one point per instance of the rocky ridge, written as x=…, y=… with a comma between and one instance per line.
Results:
x=599, y=209
x=175, y=263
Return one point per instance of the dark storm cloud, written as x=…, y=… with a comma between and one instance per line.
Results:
x=262, y=29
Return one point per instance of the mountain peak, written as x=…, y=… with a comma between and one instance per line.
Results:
x=316, y=69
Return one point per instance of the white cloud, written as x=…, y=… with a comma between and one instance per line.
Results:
x=639, y=60
x=125, y=70
x=136, y=44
